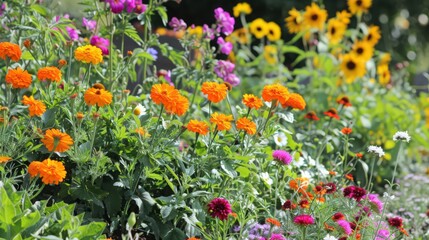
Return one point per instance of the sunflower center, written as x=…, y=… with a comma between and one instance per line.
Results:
x=314, y=17
x=359, y=2
x=333, y=30
x=271, y=32
x=258, y=29
x=369, y=36
x=359, y=50
x=351, y=65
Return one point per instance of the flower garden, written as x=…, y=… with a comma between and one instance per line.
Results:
x=250, y=135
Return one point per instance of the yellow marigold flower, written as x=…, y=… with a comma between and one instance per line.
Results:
x=242, y=8
x=36, y=107
x=49, y=73
x=97, y=96
x=274, y=31
x=215, y=92
x=383, y=74
x=10, y=50
x=4, y=159
x=198, y=127
x=270, y=54
x=359, y=6
x=259, y=28
x=252, y=101
x=344, y=17
x=295, y=101
x=294, y=21
x=275, y=92
x=222, y=121
x=315, y=17
x=55, y=140
x=352, y=67
x=336, y=31
x=246, y=125
x=89, y=54
x=363, y=50
x=373, y=35
x=51, y=171
x=18, y=78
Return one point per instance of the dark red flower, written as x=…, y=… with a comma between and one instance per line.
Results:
x=330, y=187
x=220, y=208
x=288, y=205
x=338, y=216
x=359, y=193
x=345, y=101
x=332, y=113
x=311, y=116
x=395, y=222
x=348, y=191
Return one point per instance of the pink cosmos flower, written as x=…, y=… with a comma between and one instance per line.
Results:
x=304, y=220
x=225, y=47
x=101, y=43
x=219, y=208
x=90, y=25
x=116, y=6
x=73, y=33
x=345, y=226
x=282, y=156
x=375, y=202
x=276, y=236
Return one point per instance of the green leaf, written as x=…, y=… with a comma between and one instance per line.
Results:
x=175, y=234
x=90, y=231
x=243, y=171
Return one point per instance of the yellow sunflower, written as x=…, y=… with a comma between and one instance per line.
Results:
x=352, y=67
x=259, y=28
x=363, y=50
x=315, y=17
x=294, y=21
x=270, y=54
x=240, y=35
x=242, y=8
x=336, y=30
x=383, y=74
x=373, y=35
x=385, y=58
x=274, y=31
x=344, y=17
x=359, y=6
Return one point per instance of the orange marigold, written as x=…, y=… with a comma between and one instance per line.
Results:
x=295, y=101
x=18, y=78
x=246, y=125
x=199, y=127
x=10, y=50
x=52, y=172
x=55, y=140
x=275, y=92
x=36, y=107
x=332, y=113
x=222, y=121
x=346, y=131
x=4, y=159
x=97, y=96
x=179, y=106
x=49, y=73
x=273, y=221
x=34, y=168
x=89, y=54
x=252, y=101
x=349, y=176
x=215, y=92
x=164, y=94
x=193, y=238
x=300, y=184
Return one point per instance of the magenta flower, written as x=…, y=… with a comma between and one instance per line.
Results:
x=2, y=8
x=354, y=192
x=90, y=25
x=116, y=6
x=73, y=33
x=219, y=208
x=232, y=79
x=101, y=43
x=131, y=4
x=375, y=202
x=304, y=220
x=177, y=24
x=140, y=7
x=208, y=32
x=225, y=23
x=282, y=156
x=225, y=47
x=276, y=236
x=345, y=226
x=224, y=68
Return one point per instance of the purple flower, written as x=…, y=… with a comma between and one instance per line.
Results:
x=276, y=236
x=225, y=23
x=345, y=226
x=208, y=32
x=153, y=53
x=375, y=202
x=116, y=6
x=140, y=7
x=89, y=24
x=282, y=156
x=2, y=8
x=131, y=4
x=177, y=24
x=225, y=47
x=259, y=231
x=236, y=228
x=224, y=68
x=101, y=43
x=73, y=33
x=232, y=79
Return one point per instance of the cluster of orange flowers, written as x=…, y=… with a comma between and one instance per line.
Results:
x=51, y=171
x=170, y=98
x=278, y=93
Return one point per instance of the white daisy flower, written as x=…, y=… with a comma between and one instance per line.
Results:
x=280, y=139
x=266, y=178
x=377, y=150
x=329, y=237
x=401, y=136
x=139, y=110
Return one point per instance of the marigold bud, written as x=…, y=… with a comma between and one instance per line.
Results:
x=27, y=43
x=130, y=53
x=61, y=63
